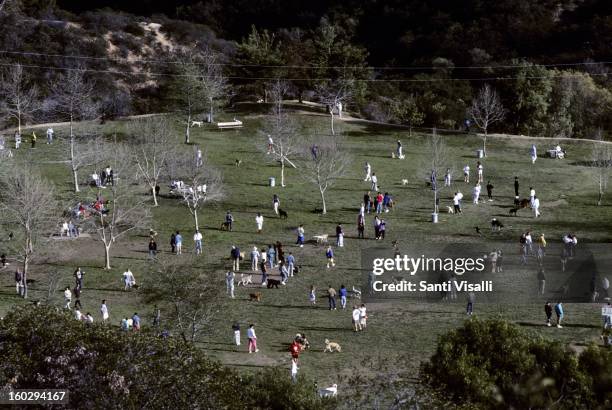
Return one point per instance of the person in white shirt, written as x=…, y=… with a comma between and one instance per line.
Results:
x=532, y=194
x=363, y=317
x=270, y=144
x=476, y=193
x=197, y=239
x=229, y=282
x=89, y=318
x=400, y=153
x=536, y=206
x=356, y=318
x=104, y=311
x=466, y=174
x=255, y=258
x=259, y=220
x=457, y=202
x=529, y=242
x=447, y=177
x=480, y=169
x=65, y=230
x=78, y=315
x=252, y=339
x=374, y=180
x=368, y=171
x=67, y=298
x=199, y=161
x=275, y=203
x=294, y=370
x=49, y=135
x=534, y=153
x=128, y=279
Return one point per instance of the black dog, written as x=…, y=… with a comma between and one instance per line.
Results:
x=273, y=283
x=513, y=211
x=296, y=269
x=282, y=214
x=496, y=225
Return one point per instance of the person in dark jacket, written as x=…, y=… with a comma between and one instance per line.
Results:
x=235, y=256
x=152, y=248
x=173, y=242
x=548, y=311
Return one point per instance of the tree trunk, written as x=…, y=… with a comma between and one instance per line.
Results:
x=332, y=121
x=323, y=201
x=195, y=219
x=211, y=110
x=187, y=129
x=154, y=196
x=19, y=122
x=484, y=143
x=24, y=277
x=107, y=255
x=72, y=159
x=600, y=196
x=282, y=173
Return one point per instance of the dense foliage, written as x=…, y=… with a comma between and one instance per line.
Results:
x=102, y=367
x=495, y=364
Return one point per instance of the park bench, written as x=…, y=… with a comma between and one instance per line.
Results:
x=230, y=124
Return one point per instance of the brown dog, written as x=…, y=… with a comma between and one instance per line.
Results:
x=255, y=297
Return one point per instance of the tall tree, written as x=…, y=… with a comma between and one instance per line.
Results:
x=435, y=162
x=486, y=109
x=27, y=202
x=73, y=99
x=152, y=150
x=200, y=184
x=124, y=210
x=19, y=98
x=601, y=168
x=187, y=90
x=282, y=129
x=531, y=93
x=325, y=161
x=214, y=84
x=333, y=95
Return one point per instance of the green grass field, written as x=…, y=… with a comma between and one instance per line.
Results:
x=396, y=328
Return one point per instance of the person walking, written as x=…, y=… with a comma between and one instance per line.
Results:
x=229, y=283
x=533, y=153
x=300, y=236
x=104, y=311
x=275, y=203
x=466, y=174
x=363, y=317
x=559, y=312
x=136, y=322
x=197, y=239
x=331, y=298
x=271, y=256
x=367, y=203
x=361, y=226
x=541, y=280
x=255, y=258
x=489, y=191
x=447, y=177
x=67, y=298
x=356, y=316
x=235, y=256
x=229, y=220
x=259, y=220
x=400, y=153
x=480, y=170
x=18, y=281
x=548, y=310
x=312, y=296
x=368, y=172
x=374, y=180
x=236, y=331
x=532, y=194
x=179, y=243
x=173, y=242
x=339, y=236
x=329, y=253
x=78, y=278
x=264, y=272
x=252, y=339
x=382, y=229
x=536, y=206
x=342, y=292
x=471, y=297
x=49, y=135
x=128, y=279
x=516, y=186
x=290, y=264
x=476, y=193
x=33, y=140
x=152, y=248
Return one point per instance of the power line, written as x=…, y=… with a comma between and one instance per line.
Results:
x=501, y=66
x=367, y=80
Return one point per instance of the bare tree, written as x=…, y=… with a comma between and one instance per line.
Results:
x=486, y=109
x=188, y=90
x=601, y=167
x=28, y=203
x=435, y=164
x=72, y=97
x=152, y=150
x=324, y=162
x=283, y=131
x=214, y=83
x=198, y=185
x=124, y=210
x=20, y=100
x=191, y=295
x=85, y=152
x=334, y=95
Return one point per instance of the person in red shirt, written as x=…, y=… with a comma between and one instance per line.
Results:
x=379, y=203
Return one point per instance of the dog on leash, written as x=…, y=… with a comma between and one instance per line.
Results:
x=273, y=283
x=282, y=214
x=450, y=210
x=198, y=123
x=255, y=296
x=331, y=346
x=245, y=280
x=496, y=225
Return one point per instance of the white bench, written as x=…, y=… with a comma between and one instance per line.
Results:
x=230, y=124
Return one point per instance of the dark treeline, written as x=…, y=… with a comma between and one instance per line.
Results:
x=541, y=59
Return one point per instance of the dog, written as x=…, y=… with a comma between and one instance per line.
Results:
x=331, y=391
x=198, y=123
x=356, y=293
x=450, y=210
x=282, y=214
x=513, y=211
x=321, y=239
x=404, y=182
x=224, y=226
x=255, y=297
x=478, y=230
x=296, y=269
x=238, y=162
x=245, y=280
x=273, y=283
x=393, y=155
x=331, y=346
x=496, y=225
x=524, y=203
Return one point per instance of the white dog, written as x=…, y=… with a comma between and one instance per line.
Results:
x=194, y=123
x=450, y=210
x=331, y=346
x=331, y=391
x=404, y=182
x=245, y=280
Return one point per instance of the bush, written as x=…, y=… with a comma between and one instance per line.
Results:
x=495, y=364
